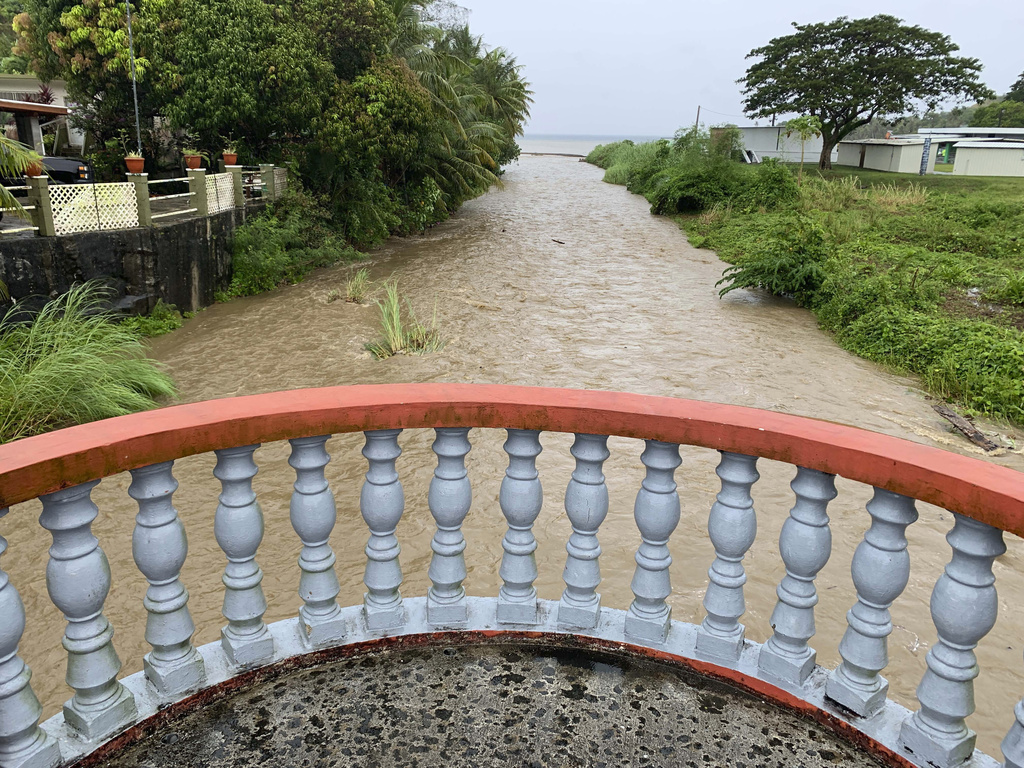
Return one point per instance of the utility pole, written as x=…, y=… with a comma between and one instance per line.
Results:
x=696, y=124
x=135, y=89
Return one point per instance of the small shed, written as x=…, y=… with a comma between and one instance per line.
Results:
x=989, y=158
x=902, y=155
x=771, y=141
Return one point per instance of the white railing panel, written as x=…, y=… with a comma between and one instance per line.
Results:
x=220, y=192
x=91, y=207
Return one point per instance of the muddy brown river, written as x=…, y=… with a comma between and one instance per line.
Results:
x=622, y=303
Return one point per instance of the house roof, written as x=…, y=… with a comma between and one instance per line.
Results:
x=973, y=131
x=989, y=145
x=31, y=108
x=900, y=142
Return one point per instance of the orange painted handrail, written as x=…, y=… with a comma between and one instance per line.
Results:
x=42, y=464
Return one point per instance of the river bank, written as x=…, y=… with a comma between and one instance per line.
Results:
x=626, y=303
x=923, y=274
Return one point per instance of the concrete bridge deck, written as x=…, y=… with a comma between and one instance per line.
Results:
x=486, y=705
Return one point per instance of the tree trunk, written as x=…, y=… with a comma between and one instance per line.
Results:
x=827, y=145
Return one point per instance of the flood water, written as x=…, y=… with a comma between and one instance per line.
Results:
x=623, y=302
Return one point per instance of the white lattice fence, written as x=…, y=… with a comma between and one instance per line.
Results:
x=280, y=181
x=220, y=192
x=88, y=207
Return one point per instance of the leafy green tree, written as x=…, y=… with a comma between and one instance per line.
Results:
x=849, y=71
x=806, y=127
x=1002, y=114
x=9, y=61
x=1017, y=90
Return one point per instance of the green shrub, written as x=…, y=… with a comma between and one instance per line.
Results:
x=401, y=330
x=791, y=262
x=71, y=364
x=163, y=319
x=770, y=186
x=284, y=245
x=694, y=188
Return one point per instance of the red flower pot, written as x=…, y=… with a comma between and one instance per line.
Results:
x=193, y=161
x=230, y=158
x=36, y=169
x=135, y=164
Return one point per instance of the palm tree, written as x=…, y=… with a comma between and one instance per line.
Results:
x=15, y=159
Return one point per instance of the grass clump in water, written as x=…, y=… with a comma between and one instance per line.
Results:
x=163, y=319
x=73, y=363
x=401, y=331
x=359, y=287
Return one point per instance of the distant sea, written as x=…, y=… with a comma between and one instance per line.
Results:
x=571, y=144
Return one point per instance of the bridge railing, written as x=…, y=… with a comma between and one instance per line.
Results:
x=62, y=468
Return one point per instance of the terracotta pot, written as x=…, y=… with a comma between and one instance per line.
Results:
x=193, y=161
x=36, y=169
x=135, y=164
x=230, y=158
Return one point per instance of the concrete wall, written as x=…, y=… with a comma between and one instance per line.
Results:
x=183, y=262
x=989, y=161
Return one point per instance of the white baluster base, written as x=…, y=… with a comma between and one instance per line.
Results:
x=929, y=747
x=512, y=611
x=248, y=651
x=860, y=699
x=378, y=619
x=648, y=630
x=182, y=675
x=447, y=614
x=776, y=663
x=727, y=648
x=103, y=719
x=321, y=632
x=579, y=617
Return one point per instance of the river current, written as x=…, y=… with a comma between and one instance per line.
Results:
x=555, y=280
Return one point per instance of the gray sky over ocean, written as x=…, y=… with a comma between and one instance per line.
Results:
x=641, y=67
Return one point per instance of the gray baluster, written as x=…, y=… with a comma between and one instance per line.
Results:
x=160, y=547
x=732, y=526
x=382, y=502
x=449, y=499
x=656, y=513
x=881, y=570
x=238, y=527
x=23, y=744
x=313, y=515
x=586, y=504
x=1013, y=744
x=521, y=500
x=964, y=608
x=805, y=544
x=78, y=580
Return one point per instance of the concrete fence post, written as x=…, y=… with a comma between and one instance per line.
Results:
x=237, y=185
x=269, y=183
x=39, y=196
x=197, y=191
x=141, y=182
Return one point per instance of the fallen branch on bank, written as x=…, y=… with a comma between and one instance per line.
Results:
x=966, y=428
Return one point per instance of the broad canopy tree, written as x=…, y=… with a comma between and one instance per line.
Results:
x=849, y=71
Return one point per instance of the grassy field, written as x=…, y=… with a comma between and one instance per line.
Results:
x=924, y=274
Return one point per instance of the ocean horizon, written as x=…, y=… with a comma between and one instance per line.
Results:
x=574, y=143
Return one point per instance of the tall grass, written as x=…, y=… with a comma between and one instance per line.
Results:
x=401, y=330
x=72, y=364
x=358, y=287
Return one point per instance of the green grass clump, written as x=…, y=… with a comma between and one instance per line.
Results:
x=72, y=363
x=401, y=331
x=359, y=287
x=163, y=319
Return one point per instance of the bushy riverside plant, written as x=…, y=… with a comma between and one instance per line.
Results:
x=358, y=287
x=401, y=331
x=71, y=364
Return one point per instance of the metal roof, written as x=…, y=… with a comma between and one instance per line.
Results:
x=989, y=145
x=973, y=131
x=31, y=108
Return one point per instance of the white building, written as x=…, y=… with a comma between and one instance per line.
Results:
x=21, y=88
x=989, y=158
x=897, y=155
x=771, y=141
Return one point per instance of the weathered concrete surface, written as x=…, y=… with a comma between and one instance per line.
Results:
x=182, y=262
x=494, y=705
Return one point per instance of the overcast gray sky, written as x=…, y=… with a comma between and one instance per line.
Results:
x=641, y=67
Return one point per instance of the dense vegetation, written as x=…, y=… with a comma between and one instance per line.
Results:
x=72, y=364
x=388, y=120
x=925, y=274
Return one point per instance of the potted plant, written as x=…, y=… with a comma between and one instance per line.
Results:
x=134, y=162
x=35, y=169
x=193, y=157
x=230, y=155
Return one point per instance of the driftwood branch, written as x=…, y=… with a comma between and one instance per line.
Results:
x=966, y=428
